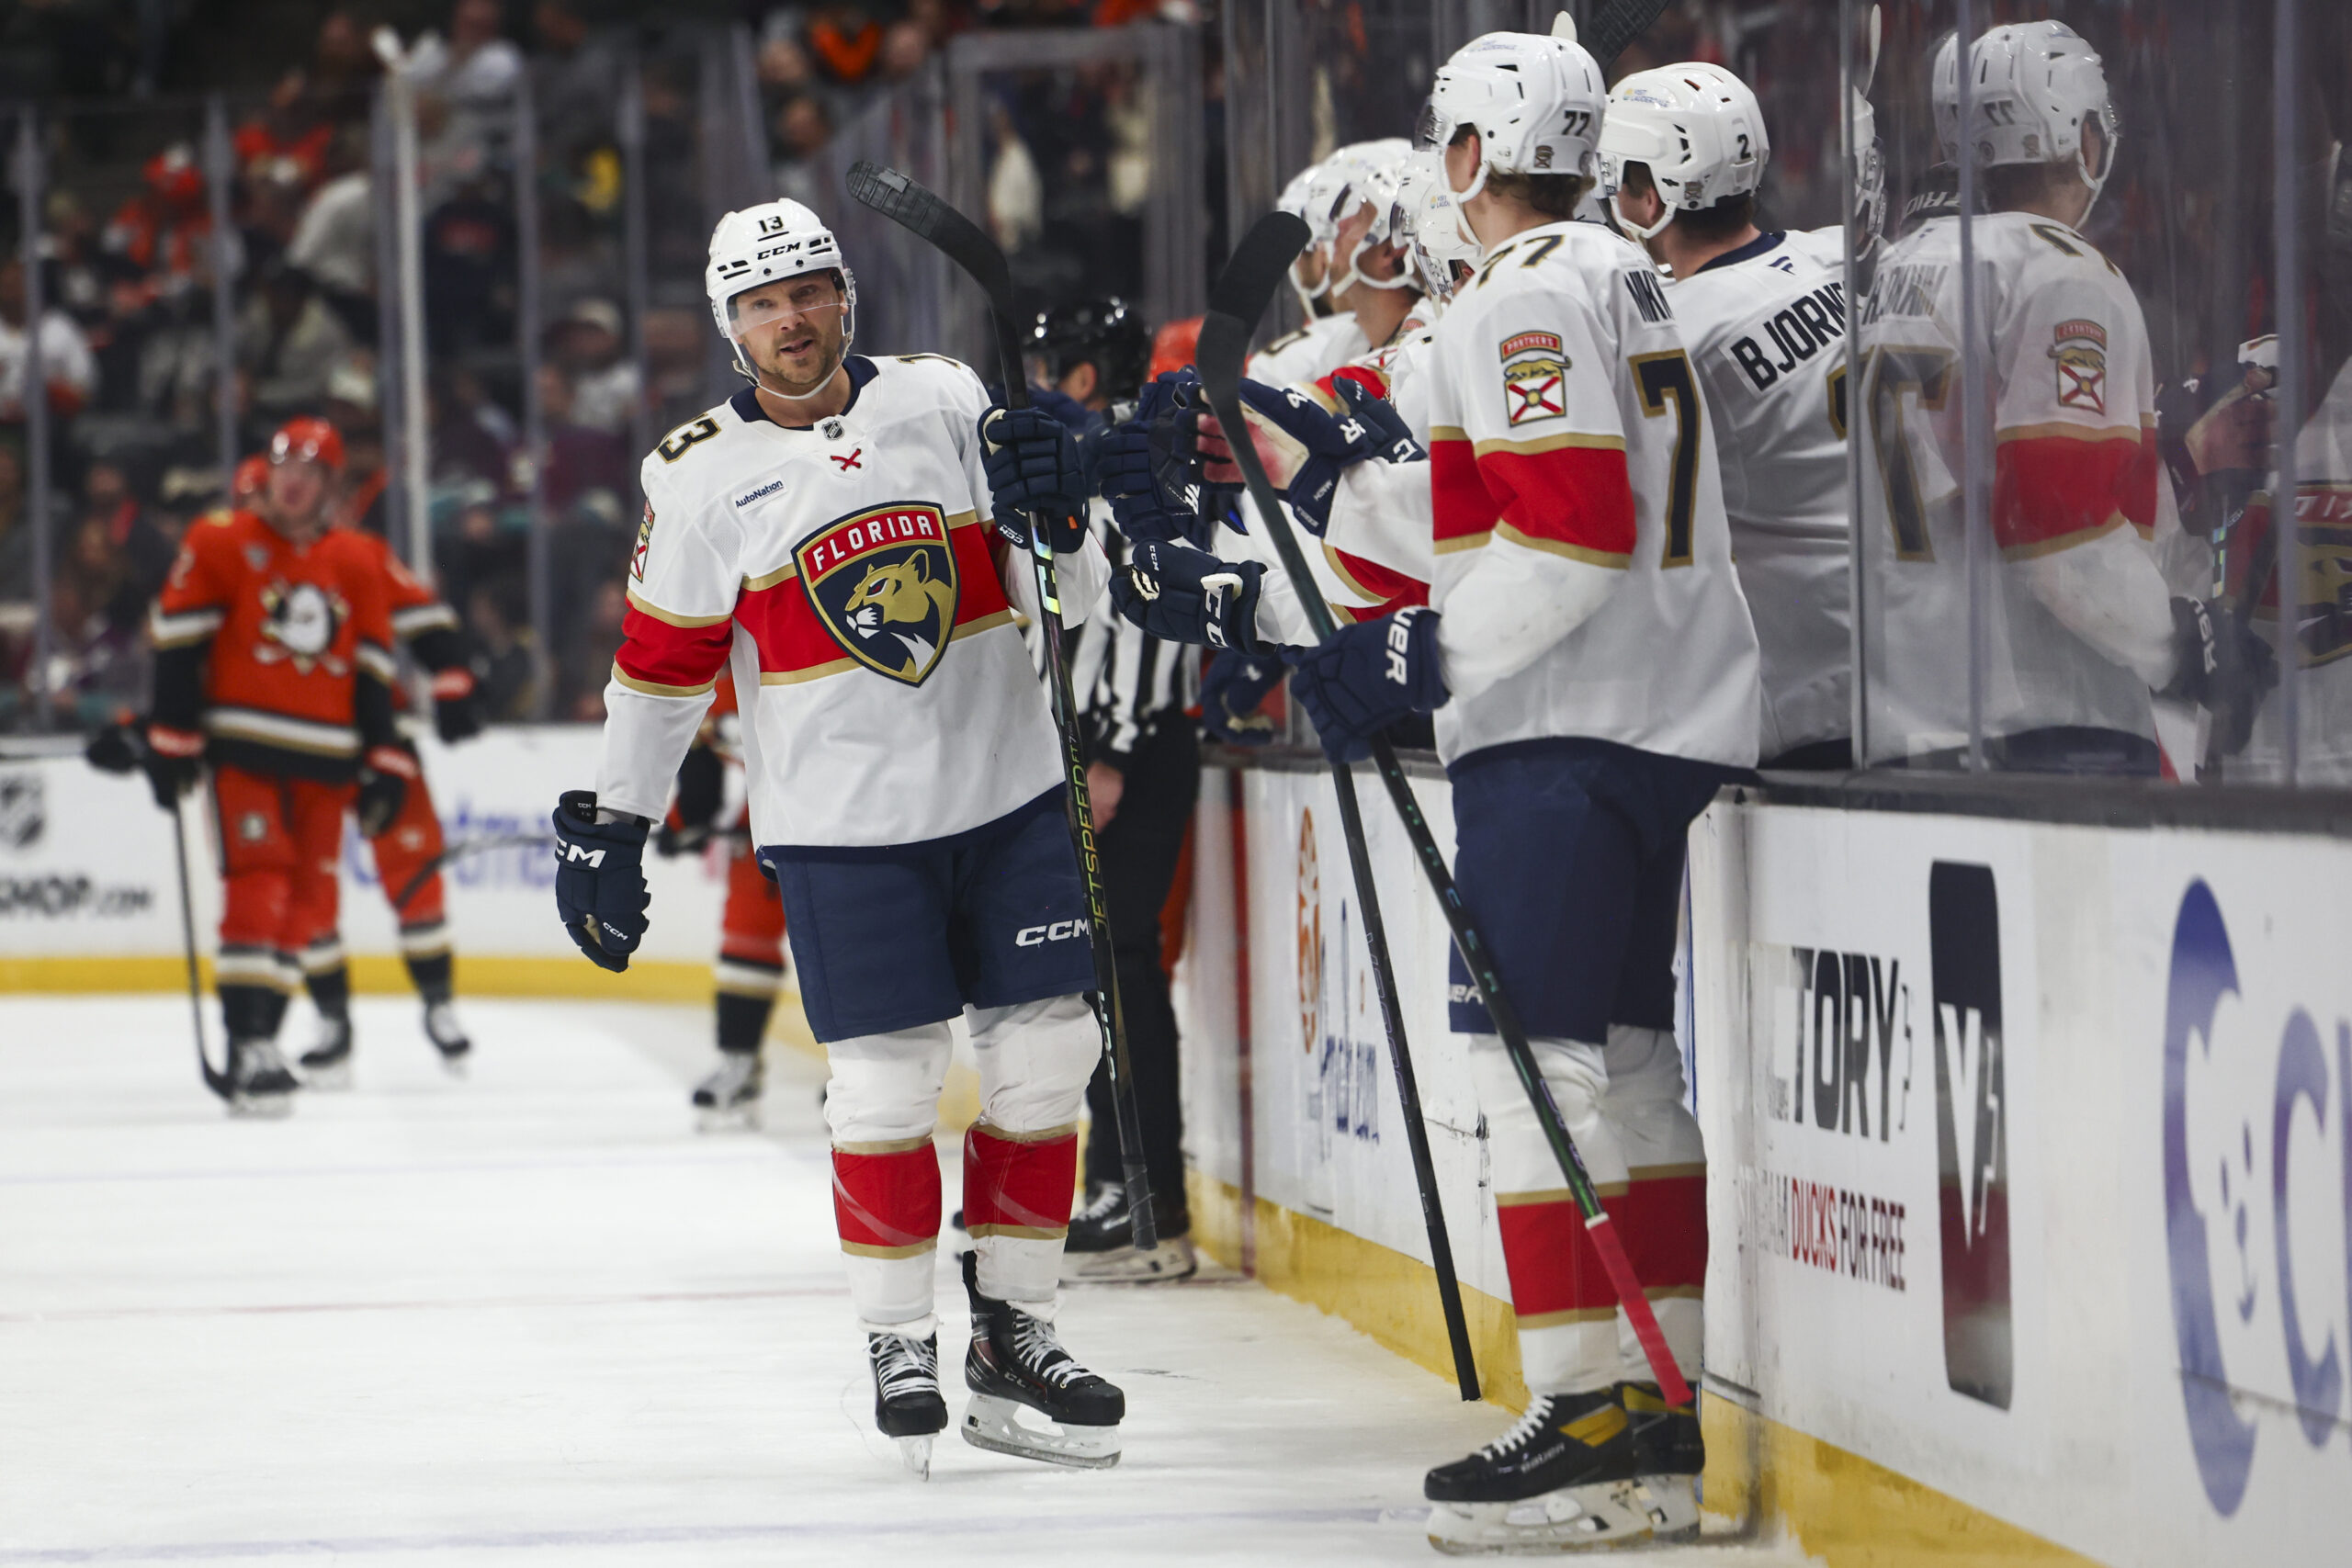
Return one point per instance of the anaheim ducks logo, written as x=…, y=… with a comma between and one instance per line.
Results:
x=302, y=620
x=883, y=582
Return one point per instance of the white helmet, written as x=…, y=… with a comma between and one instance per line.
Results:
x=1426, y=222
x=1535, y=101
x=2033, y=88
x=1697, y=128
x=1300, y=199
x=1376, y=171
x=763, y=244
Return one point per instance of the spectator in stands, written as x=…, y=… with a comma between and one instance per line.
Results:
x=803, y=126
x=577, y=79
x=469, y=268
x=162, y=231
x=581, y=456
x=588, y=660
x=335, y=239
x=473, y=73
x=604, y=382
x=473, y=437
x=66, y=361
x=509, y=678
x=16, y=533
x=289, y=342
x=143, y=551
x=96, y=613
x=844, y=41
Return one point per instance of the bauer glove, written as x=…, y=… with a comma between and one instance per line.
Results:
x=600, y=880
x=1367, y=677
x=1033, y=468
x=1154, y=494
x=1182, y=594
x=1305, y=447
x=2225, y=668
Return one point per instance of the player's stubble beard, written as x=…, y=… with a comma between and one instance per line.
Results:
x=774, y=378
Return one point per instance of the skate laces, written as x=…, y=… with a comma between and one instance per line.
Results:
x=1537, y=1417
x=1106, y=1202
x=261, y=1057
x=1034, y=1342
x=905, y=1365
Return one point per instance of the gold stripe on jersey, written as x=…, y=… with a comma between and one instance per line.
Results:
x=2062, y=431
x=2065, y=541
x=655, y=688
x=1616, y=560
x=276, y=729
x=814, y=672
x=1549, y=444
x=1477, y=541
x=670, y=618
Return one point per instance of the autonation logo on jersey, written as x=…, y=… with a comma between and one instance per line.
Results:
x=2257, y=1185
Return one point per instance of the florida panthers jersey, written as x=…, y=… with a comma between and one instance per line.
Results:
x=1321, y=345
x=2076, y=618
x=849, y=573
x=1572, y=484
x=1766, y=326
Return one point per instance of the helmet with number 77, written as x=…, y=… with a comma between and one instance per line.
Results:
x=2034, y=89
x=1536, y=101
x=768, y=243
x=1697, y=128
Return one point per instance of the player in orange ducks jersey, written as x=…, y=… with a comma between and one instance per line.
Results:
x=751, y=964
x=273, y=662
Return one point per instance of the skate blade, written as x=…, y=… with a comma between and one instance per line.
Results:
x=729, y=1119
x=995, y=1425
x=1672, y=1504
x=262, y=1106
x=915, y=1454
x=1165, y=1264
x=457, y=1063
x=1576, y=1518
x=332, y=1076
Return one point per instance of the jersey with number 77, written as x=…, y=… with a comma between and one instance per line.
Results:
x=1571, y=519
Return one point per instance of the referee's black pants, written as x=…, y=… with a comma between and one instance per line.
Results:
x=1140, y=849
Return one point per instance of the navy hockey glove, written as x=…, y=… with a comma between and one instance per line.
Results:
x=600, y=880
x=1304, y=447
x=1366, y=678
x=1136, y=466
x=1233, y=688
x=384, y=777
x=2225, y=668
x=702, y=789
x=1181, y=594
x=1032, y=465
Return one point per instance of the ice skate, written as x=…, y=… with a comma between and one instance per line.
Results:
x=448, y=1037
x=259, y=1083
x=1563, y=1479
x=1016, y=1363
x=1101, y=1249
x=1669, y=1452
x=729, y=1098
x=908, y=1407
x=327, y=1064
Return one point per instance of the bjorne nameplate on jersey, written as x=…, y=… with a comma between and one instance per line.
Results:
x=883, y=582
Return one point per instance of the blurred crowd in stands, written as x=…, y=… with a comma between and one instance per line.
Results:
x=132, y=361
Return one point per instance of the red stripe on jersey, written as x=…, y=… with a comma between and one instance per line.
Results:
x=1553, y=1264
x=1664, y=1224
x=659, y=654
x=1578, y=496
x=792, y=638
x=1363, y=376
x=2049, y=489
x=1394, y=590
x=1461, y=503
x=889, y=1200
x=1018, y=1186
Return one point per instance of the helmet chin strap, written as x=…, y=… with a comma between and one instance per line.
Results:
x=1638, y=232
x=2097, y=182
x=1460, y=199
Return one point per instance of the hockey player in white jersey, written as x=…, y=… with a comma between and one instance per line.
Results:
x=2080, y=629
x=1345, y=201
x=1682, y=153
x=825, y=534
x=1591, y=668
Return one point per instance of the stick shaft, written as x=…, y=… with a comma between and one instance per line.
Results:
x=217, y=1082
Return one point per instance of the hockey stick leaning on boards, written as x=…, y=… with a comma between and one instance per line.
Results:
x=1235, y=304
x=917, y=209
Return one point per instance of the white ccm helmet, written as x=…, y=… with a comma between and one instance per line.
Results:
x=2033, y=88
x=1696, y=127
x=1376, y=171
x=764, y=245
x=1535, y=101
x=1425, y=221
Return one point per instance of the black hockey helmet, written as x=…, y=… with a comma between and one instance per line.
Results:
x=1105, y=330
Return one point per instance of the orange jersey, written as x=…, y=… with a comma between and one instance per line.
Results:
x=414, y=607
x=280, y=653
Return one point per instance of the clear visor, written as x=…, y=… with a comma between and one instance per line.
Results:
x=1433, y=128
x=808, y=295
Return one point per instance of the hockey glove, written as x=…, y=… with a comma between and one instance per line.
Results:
x=1153, y=492
x=1366, y=678
x=1182, y=594
x=2225, y=668
x=119, y=748
x=385, y=774
x=1033, y=468
x=600, y=880
x=1233, y=688
x=457, y=705
x=174, y=762
x=1304, y=447
x=702, y=786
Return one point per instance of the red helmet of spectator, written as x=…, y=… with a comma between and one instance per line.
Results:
x=307, y=439
x=253, y=477
x=173, y=176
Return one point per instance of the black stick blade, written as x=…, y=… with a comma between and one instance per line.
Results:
x=910, y=204
x=1618, y=26
x=1240, y=296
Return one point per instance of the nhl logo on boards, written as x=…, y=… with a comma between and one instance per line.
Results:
x=883, y=582
x=23, y=816
x=1535, y=368
x=2079, y=349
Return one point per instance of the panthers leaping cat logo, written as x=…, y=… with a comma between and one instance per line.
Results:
x=884, y=583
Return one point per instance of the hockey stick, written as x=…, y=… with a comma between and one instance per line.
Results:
x=459, y=851
x=1235, y=305
x=1616, y=27
x=1237, y=300
x=217, y=1082
x=957, y=238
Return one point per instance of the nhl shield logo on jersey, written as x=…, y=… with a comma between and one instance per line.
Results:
x=1535, y=368
x=883, y=582
x=2079, y=349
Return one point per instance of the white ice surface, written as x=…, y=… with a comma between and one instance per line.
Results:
x=531, y=1317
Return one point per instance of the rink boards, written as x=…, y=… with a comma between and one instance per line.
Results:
x=2032, y=1202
